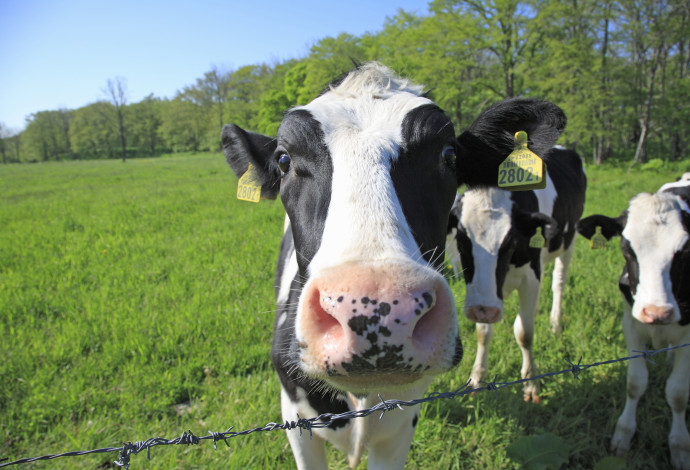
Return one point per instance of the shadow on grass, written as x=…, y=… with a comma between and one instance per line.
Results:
x=581, y=412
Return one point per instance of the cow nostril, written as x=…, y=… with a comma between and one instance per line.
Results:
x=322, y=320
x=426, y=327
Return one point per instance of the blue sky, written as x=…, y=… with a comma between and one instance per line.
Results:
x=60, y=53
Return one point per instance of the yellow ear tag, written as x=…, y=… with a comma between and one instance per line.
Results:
x=598, y=240
x=537, y=240
x=523, y=169
x=248, y=187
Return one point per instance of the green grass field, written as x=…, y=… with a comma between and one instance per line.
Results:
x=136, y=301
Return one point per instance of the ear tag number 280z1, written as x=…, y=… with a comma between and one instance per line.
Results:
x=248, y=187
x=523, y=169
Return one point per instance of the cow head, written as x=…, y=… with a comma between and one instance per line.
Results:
x=656, y=247
x=493, y=233
x=367, y=173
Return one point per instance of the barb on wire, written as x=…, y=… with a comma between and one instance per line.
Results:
x=188, y=438
x=575, y=369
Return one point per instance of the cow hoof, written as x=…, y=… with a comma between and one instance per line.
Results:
x=620, y=444
x=680, y=460
x=532, y=398
x=556, y=329
x=680, y=454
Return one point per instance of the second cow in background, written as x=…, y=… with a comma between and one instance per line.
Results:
x=655, y=241
x=489, y=234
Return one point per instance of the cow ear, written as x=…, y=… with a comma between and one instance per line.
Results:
x=491, y=137
x=610, y=227
x=242, y=148
x=526, y=224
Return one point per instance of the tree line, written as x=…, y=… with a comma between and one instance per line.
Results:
x=619, y=69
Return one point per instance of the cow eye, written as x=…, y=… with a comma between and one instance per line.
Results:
x=284, y=162
x=448, y=154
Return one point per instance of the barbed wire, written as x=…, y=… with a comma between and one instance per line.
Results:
x=324, y=420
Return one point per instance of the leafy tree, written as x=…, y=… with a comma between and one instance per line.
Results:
x=182, y=124
x=498, y=27
x=647, y=22
x=94, y=134
x=145, y=123
x=116, y=90
x=4, y=138
x=46, y=135
x=274, y=100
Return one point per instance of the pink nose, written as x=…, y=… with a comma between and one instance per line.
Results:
x=653, y=314
x=482, y=314
x=364, y=320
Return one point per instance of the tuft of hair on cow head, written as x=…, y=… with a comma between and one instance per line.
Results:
x=610, y=226
x=243, y=148
x=490, y=138
x=526, y=224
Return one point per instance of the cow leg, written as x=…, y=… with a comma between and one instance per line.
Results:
x=390, y=452
x=636, y=386
x=481, y=363
x=523, y=328
x=560, y=276
x=309, y=451
x=677, y=397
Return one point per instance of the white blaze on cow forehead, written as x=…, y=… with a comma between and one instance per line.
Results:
x=486, y=216
x=654, y=226
x=361, y=120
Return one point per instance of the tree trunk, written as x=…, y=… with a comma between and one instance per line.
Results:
x=123, y=140
x=640, y=152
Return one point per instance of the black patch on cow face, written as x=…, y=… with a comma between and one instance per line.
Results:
x=505, y=255
x=463, y=243
x=424, y=178
x=457, y=355
x=680, y=280
x=306, y=188
x=631, y=272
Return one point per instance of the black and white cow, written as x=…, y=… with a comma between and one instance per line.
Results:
x=367, y=173
x=490, y=229
x=655, y=284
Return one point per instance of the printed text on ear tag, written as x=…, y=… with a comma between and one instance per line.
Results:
x=523, y=169
x=598, y=240
x=248, y=187
x=537, y=240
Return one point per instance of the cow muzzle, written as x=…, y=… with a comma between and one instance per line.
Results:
x=657, y=315
x=483, y=314
x=363, y=325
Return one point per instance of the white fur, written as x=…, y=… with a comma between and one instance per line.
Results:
x=362, y=131
x=655, y=231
